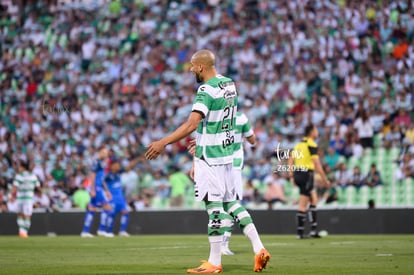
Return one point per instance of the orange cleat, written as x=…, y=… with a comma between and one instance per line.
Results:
x=23, y=235
x=260, y=260
x=206, y=268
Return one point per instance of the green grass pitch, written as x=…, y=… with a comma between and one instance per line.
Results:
x=173, y=254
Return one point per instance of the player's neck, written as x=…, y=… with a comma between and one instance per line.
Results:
x=210, y=74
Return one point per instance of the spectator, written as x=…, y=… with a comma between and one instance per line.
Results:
x=403, y=118
x=130, y=180
x=371, y=204
x=58, y=198
x=332, y=158
x=326, y=194
x=406, y=167
x=365, y=130
x=41, y=200
x=374, y=177
x=357, y=179
x=101, y=83
x=394, y=136
x=178, y=183
x=162, y=186
x=338, y=144
x=274, y=189
x=342, y=176
x=81, y=198
x=250, y=193
x=409, y=134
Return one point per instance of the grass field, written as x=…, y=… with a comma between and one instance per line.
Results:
x=173, y=254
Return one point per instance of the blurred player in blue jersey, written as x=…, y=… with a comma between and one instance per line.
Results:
x=118, y=202
x=100, y=195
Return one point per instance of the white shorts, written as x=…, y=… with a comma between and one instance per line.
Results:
x=238, y=182
x=25, y=207
x=215, y=183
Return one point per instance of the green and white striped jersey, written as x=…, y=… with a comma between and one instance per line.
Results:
x=243, y=130
x=25, y=182
x=216, y=100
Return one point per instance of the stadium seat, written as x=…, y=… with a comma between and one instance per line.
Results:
x=350, y=194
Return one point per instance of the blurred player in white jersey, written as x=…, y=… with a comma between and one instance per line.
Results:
x=24, y=184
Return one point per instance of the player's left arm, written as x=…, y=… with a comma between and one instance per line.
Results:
x=157, y=147
x=291, y=162
x=318, y=166
x=247, y=131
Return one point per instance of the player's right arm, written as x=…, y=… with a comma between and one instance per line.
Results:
x=200, y=110
x=106, y=189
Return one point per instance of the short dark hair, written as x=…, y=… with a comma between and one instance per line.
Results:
x=308, y=129
x=25, y=164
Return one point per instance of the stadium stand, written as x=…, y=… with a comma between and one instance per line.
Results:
x=76, y=74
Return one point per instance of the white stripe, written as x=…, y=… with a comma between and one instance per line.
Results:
x=211, y=91
x=233, y=208
x=213, y=139
x=200, y=107
x=241, y=119
x=243, y=215
x=215, y=116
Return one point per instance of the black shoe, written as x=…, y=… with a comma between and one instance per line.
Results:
x=315, y=235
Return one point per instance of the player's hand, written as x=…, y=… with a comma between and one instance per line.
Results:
x=154, y=149
x=108, y=195
x=93, y=194
x=191, y=147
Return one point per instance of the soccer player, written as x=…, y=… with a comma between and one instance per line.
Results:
x=118, y=202
x=24, y=184
x=100, y=195
x=243, y=131
x=213, y=115
x=305, y=160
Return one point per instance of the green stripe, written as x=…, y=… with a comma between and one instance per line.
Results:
x=214, y=81
x=214, y=151
x=237, y=146
x=217, y=151
x=219, y=104
x=24, y=198
x=26, y=187
x=237, y=162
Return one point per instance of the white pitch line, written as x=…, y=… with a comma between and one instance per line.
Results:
x=383, y=255
x=339, y=243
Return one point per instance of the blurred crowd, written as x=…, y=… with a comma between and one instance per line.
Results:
x=78, y=74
